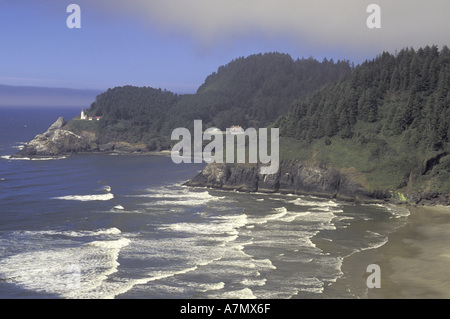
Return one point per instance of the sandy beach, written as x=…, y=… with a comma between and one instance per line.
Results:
x=414, y=263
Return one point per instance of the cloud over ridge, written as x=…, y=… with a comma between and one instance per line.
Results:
x=320, y=23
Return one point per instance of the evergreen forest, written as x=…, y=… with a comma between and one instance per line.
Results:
x=389, y=119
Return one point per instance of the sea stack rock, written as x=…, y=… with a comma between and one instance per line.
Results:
x=56, y=141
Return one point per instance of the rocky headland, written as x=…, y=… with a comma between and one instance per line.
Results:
x=56, y=141
x=59, y=141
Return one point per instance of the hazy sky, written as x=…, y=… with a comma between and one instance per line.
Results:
x=175, y=44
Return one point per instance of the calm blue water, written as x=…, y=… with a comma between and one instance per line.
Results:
x=63, y=236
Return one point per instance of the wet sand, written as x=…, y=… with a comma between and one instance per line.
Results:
x=414, y=263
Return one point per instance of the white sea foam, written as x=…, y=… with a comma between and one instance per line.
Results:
x=111, y=244
x=86, y=198
x=270, y=217
x=68, y=233
x=116, y=289
x=380, y=240
x=209, y=287
x=77, y=271
x=9, y=157
x=221, y=225
x=108, y=231
x=227, y=258
x=20, y=146
x=245, y=293
x=183, y=197
x=313, y=285
x=254, y=282
x=281, y=214
x=180, y=255
x=105, y=188
x=315, y=204
x=397, y=211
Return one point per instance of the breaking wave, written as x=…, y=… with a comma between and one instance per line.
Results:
x=67, y=268
x=86, y=198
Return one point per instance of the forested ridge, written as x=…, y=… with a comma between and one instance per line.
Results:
x=252, y=92
x=134, y=114
x=408, y=92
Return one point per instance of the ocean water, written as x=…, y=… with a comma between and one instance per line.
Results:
x=124, y=226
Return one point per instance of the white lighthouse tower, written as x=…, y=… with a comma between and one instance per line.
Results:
x=83, y=115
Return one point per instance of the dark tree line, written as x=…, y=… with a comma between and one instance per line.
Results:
x=406, y=94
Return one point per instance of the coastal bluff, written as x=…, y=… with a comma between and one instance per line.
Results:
x=293, y=177
x=306, y=178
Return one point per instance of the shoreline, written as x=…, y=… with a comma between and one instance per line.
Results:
x=414, y=263
x=56, y=157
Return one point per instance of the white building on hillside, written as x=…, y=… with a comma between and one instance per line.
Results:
x=236, y=129
x=83, y=116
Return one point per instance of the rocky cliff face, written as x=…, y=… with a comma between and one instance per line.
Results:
x=294, y=177
x=297, y=177
x=55, y=141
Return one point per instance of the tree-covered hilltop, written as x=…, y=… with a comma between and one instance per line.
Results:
x=389, y=120
x=251, y=92
x=260, y=88
x=133, y=114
